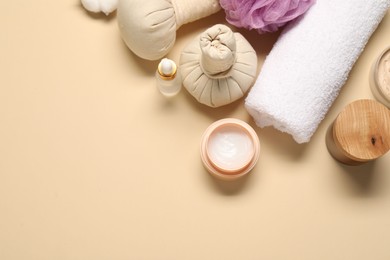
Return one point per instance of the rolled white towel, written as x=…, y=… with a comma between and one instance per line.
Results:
x=310, y=62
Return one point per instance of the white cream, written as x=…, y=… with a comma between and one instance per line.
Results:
x=380, y=78
x=230, y=148
x=384, y=74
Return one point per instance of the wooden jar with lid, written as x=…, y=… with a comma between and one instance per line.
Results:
x=360, y=133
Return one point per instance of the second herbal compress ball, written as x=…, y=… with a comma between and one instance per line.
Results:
x=218, y=67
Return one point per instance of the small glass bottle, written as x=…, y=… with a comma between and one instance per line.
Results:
x=168, y=78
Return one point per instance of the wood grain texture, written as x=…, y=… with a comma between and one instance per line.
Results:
x=360, y=133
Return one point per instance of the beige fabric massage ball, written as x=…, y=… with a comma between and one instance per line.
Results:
x=149, y=27
x=218, y=67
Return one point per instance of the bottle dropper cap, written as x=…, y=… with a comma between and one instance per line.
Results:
x=167, y=69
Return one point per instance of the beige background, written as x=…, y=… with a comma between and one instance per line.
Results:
x=96, y=164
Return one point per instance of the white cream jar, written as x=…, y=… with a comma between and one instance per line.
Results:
x=380, y=78
x=230, y=148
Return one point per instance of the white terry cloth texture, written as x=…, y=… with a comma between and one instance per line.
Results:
x=310, y=62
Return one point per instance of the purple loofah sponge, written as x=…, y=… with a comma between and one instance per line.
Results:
x=264, y=15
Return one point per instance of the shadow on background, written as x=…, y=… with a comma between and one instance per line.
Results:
x=229, y=188
x=214, y=113
x=362, y=180
x=280, y=143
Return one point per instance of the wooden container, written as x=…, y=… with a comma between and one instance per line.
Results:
x=360, y=133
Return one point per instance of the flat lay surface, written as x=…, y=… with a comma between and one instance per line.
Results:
x=95, y=163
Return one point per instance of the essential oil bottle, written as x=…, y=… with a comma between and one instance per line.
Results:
x=168, y=78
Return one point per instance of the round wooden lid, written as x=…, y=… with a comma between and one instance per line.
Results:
x=362, y=130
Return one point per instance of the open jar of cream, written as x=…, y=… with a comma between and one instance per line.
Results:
x=230, y=148
x=380, y=78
